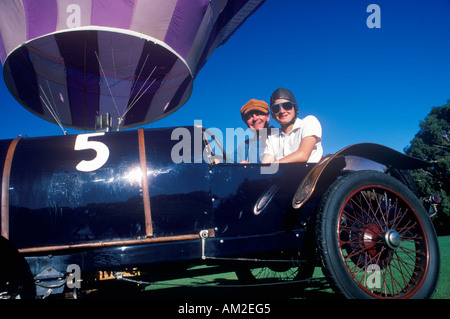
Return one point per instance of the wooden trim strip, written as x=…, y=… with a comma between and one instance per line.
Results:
x=5, y=188
x=145, y=191
x=111, y=243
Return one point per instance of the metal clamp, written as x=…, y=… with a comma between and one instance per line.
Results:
x=204, y=234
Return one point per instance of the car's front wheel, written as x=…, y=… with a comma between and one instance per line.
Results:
x=376, y=240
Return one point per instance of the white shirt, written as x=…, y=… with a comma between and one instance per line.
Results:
x=280, y=144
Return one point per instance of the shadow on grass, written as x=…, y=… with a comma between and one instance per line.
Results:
x=218, y=286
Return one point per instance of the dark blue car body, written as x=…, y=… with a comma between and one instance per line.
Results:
x=107, y=217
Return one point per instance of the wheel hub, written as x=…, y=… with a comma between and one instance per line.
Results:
x=370, y=239
x=392, y=239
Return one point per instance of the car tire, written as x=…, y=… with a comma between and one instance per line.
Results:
x=16, y=280
x=376, y=240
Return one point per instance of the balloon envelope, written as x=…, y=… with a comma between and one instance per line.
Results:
x=70, y=60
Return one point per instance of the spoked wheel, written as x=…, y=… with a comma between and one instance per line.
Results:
x=376, y=239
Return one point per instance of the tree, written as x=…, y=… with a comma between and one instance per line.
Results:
x=432, y=143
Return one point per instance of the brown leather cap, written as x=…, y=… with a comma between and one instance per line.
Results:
x=254, y=105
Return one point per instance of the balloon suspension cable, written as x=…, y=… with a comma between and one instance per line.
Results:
x=51, y=110
x=136, y=100
x=139, y=94
x=113, y=62
x=107, y=84
x=139, y=75
x=120, y=118
x=138, y=97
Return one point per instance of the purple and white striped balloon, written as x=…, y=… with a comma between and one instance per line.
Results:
x=70, y=60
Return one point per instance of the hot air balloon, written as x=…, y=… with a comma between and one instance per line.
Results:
x=69, y=62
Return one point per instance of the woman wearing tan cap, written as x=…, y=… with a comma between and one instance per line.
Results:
x=255, y=113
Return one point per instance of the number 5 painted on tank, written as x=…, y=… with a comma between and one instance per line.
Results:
x=82, y=143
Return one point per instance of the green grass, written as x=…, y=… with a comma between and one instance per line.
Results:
x=318, y=289
x=213, y=282
x=443, y=288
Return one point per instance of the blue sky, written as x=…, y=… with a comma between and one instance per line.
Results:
x=363, y=84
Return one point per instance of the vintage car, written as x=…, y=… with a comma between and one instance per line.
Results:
x=74, y=205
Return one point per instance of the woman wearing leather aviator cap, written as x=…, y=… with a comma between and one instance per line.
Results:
x=300, y=140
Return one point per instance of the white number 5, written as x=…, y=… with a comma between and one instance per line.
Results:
x=82, y=143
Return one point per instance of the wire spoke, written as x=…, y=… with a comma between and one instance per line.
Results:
x=365, y=220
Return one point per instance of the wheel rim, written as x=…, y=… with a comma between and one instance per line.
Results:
x=382, y=243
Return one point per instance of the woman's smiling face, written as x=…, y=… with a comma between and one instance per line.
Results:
x=257, y=120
